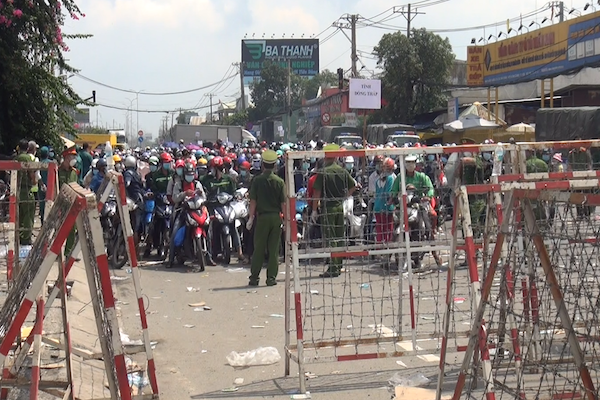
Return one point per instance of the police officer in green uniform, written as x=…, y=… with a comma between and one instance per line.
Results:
x=333, y=184
x=26, y=197
x=68, y=174
x=472, y=172
x=267, y=199
x=534, y=165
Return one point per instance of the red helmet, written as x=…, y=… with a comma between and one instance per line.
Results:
x=378, y=158
x=233, y=156
x=217, y=162
x=245, y=165
x=179, y=164
x=166, y=157
x=227, y=160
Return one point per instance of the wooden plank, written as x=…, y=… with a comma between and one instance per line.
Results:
x=85, y=354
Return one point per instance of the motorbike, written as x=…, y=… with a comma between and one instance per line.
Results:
x=108, y=219
x=242, y=208
x=148, y=219
x=119, y=258
x=355, y=224
x=301, y=212
x=190, y=240
x=222, y=225
x=157, y=223
x=4, y=201
x=419, y=223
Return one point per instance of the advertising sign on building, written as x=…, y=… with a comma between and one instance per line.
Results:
x=452, y=109
x=303, y=55
x=350, y=120
x=365, y=94
x=542, y=53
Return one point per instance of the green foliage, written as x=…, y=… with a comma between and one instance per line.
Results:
x=415, y=73
x=269, y=95
x=239, y=118
x=34, y=103
x=324, y=79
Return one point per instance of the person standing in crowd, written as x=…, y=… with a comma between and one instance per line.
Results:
x=134, y=189
x=44, y=182
x=332, y=185
x=26, y=199
x=580, y=159
x=86, y=161
x=245, y=177
x=384, y=217
x=267, y=205
x=68, y=174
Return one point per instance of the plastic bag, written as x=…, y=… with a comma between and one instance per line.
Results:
x=415, y=380
x=260, y=356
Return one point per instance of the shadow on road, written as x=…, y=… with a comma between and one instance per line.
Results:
x=377, y=380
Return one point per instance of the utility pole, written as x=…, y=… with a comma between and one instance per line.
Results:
x=409, y=14
x=289, y=98
x=210, y=96
x=353, y=19
x=242, y=89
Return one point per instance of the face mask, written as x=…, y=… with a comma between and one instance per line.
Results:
x=430, y=157
x=243, y=173
x=546, y=157
x=349, y=166
x=73, y=162
x=305, y=166
x=410, y=167
x=189, y=178
x=95, y=172
x=313, y=160
x=487, y=156
x=202, y=171
x=468, y=154
x=153, y=168
x=179, y=171
x=167, y=166
x=51, y=155
x=444, y=160
x=378, y=168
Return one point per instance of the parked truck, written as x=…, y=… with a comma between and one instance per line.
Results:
x=207, y=133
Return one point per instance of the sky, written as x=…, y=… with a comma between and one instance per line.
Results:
x=165, y=46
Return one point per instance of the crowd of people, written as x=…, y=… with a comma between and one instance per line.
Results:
x=212, y=168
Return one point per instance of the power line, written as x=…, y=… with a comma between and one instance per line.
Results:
x=150, y=111
x=153, y=93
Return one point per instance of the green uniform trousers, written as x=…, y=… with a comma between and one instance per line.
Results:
x=267, y=236
x=26, y=216
x=333, y=227
x=42, y=200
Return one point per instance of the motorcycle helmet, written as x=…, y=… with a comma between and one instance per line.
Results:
x=153, y=160
x=94, y=162
x=101, y=164
x=199, y=153
x=130, y=162
x=202, y=162
x=189, y=172
x=117, y=158
x=227, y=162
x=165, y=157
x=388, y=165
x=217, y=162
x=256, y=161
x=179, y=166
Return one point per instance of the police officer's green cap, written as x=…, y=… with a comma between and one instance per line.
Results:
x=331, y=147
x=269, y=157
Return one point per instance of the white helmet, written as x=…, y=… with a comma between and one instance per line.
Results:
x=349, y=159
x=94, y=162
x=130, y=162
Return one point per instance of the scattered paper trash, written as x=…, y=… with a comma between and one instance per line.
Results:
x=199, y=309
x=231, y=389
x=365, y=286
x=188, y=326
x=415, y=380
x=200, y=304
x=301, y=396
x=459, y=300
x=117, y=278
x=235, y=269
x=238, y=381
x=204, y=351
x=192, y=289
x=314, y=292
x=310, y=375
x=259, y=356
x=126, y=341
x=257, y=326
x=138, y=380
x=277, y=316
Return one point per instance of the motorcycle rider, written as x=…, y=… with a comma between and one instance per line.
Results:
x=118, y=163
x=214, y=183
x=157, y=181
x=175, y=178
x=228, y=169
x=134, y=189
x=99, y=172
x=188, y=186
x=245, y=177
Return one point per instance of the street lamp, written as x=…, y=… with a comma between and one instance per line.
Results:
x=588, y=5
x=534, y=22
x=482, y=39
x=137, y=106
x=521, y=28
x=492, y=36
x=544, y=20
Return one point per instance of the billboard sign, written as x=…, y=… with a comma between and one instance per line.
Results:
x=542, y=53
x=303, y=55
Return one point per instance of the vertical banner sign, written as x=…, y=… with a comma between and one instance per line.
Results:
x=452, y=109
x=365, y=94
x=303, y=55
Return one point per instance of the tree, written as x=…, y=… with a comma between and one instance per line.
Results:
x=34, y=103
x=415, y=73
x=184, y=117
x=239, y=118
x=269, y=94
x=324, y=79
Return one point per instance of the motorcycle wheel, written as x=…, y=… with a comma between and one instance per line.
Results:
x=119, y=258
x=199, y=253
x=226, y=243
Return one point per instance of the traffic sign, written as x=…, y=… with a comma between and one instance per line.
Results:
x=140, y=133
x=140, y=139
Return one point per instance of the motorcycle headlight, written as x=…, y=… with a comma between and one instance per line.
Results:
x=223, y=197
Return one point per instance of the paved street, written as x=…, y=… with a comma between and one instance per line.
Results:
x=192, y=363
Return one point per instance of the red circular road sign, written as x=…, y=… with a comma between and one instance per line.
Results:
x=325, y=118
x=140, y=133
